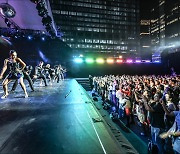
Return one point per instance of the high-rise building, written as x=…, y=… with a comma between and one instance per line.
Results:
x=110, y=26
x=145, y=40
x=165, y=26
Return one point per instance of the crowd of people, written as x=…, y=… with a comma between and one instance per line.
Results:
x=18, y=71
x=154, y=100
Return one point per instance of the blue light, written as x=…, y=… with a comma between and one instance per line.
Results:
x=78, y=60
x=43, y=39
x=157, y=61
x=29, y=37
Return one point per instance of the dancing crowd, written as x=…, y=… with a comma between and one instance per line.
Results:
x=18, y=71
x=153, y=100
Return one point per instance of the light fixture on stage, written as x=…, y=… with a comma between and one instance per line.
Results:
x=89, y=60
x=110, y=61
x=100, y=60
x=147, y=61
x=42, y=11
x=46, y=20
x=129, y=61
x=119, y=61
x=29, y=37
x=78, y=60
x=7, y=10
x=43, y=38
x=35, y=1
x=7, y=22
x=48, y=27
x=138, y=61
x=157, y=61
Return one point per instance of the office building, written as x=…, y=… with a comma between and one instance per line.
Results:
x=108, y=26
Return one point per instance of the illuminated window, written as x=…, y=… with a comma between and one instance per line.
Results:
x=95, y=41
x=102, y=41
x=88, y=41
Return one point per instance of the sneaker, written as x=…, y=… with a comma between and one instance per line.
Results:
x=4, y=96
x=12, y=91
x=26, y=95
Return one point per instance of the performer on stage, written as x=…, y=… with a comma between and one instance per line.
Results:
x=48, y=71
x=15, y=72
x=39, y=73
x=26, y=72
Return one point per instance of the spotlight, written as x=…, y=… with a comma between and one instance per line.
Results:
x=53, y=35
x=29, y=37
x=89, y=60
x=6, y=20
x=129, y=61
x=46, y=20
x=40, y=6
x=110, y=61
x=78, y=60
x=119, y=61
x=7, y=10
x=138, y=61
x=35, y=1
x=100, y=60
x=48, y=28
x=42, y=13
x=43, y=38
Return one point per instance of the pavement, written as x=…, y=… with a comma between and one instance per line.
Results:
x=59, y=118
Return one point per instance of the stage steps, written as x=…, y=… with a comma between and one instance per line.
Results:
x=84, y=82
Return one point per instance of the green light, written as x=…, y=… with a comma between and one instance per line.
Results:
x=78, y=60
x=89, y=60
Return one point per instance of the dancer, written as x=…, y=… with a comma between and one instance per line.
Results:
x=15, y=72
x=39, y=73
x=26, y=72
x=48, y=73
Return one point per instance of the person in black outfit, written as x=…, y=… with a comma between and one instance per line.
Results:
x=39, y=73
x=26, y=72
x=48, y=72
x=57, y=73
x=91, y=81
x=156, y=120
x=15, y=72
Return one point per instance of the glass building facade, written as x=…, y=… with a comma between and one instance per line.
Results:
x=145, y=38
x=165, y=25
x=109, y=26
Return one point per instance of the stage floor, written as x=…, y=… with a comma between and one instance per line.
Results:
x=55, y=119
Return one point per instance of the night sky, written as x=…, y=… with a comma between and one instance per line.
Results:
x=145, y=7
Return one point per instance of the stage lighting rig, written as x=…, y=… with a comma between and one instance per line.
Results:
x=7, y=22
x=35, y=1
x=46, y=20
x=7, y=10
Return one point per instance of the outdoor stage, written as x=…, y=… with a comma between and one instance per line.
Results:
x=56, y=119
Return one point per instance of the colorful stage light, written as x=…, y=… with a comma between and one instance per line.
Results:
x=119, y=61
x=78, y=60
x=129, y=60
x=89, y=60
x=110, y=61
x=138, y=61
x=100, y=60
x=157, y=61
x=147, y=61
x=120, y=56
